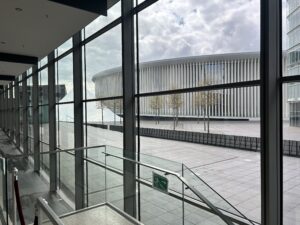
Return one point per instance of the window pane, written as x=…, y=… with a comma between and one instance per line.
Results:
x=103, y=65
x=104, y=122
x=216, y=134
x=103, y=126
x=291, y=34
x=43, y=87
x=65, y=126
x=64, y=81
x=64, y=47
x=29, y=91
x=192, y=44
x=44, y=123
x=291, y=152
x=113, y=12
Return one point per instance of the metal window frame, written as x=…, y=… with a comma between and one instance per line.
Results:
x=25, y=113
x=129, y=128
x=271, y=112
x=36, y=118
x=17, y=114
x=78, y=121
x=52, y=122
x=11, y=112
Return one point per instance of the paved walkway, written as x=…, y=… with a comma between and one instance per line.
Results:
x=235, y=174
x=239, y=128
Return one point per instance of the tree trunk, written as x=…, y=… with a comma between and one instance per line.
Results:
x=102, y=113
x=204, y=120
x=174, y=120
x=198, y=112
x=120, y=115
x=208, y=120
x=177, y=113
x=115, y=117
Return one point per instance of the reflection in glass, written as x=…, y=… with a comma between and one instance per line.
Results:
x=103, y=54
x=64, y=82
x=291, y=152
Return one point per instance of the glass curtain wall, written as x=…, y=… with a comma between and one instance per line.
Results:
x=29, y=114
x=190, y=55
x=21, y=108
x=103, y=104
x=64, y=98
x=44, y=117
x=197, y=102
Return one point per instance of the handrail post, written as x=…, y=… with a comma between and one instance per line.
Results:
x=14, y=203
x=38, y=215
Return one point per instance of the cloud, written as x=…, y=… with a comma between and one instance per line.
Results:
x=177, y=28
x=173, y=28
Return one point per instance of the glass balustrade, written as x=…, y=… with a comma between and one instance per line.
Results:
x=167, y=192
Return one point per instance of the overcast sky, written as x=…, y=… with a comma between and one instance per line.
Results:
x=180, y=28
x=177, y=28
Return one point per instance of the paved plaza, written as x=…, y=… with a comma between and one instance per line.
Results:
x=240, y=128
x=233, y=173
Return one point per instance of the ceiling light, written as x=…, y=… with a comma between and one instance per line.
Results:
x=18, y=9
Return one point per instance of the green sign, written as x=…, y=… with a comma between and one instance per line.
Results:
x=160, y=182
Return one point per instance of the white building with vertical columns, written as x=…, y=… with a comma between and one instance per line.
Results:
x=189, y=72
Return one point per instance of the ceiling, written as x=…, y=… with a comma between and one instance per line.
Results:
x=34, y=28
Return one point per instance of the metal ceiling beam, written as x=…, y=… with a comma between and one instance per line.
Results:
x=7, y=77
x=14, y=58
x=94, y=6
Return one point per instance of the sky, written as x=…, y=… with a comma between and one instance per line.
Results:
x=179, y=28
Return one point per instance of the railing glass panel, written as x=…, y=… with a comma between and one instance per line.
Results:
x=186, y=199
x=208, y=192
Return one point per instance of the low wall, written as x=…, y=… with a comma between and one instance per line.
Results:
x=290, y=147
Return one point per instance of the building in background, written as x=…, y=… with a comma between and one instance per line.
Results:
x=189, y=72
x=293, y=33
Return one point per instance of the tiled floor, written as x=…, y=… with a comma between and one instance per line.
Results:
x=103, y=215
x=31, y=184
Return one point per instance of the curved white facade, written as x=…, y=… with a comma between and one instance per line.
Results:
x=238, y=103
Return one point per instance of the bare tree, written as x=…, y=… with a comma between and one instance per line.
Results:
x=203, y=101
x=156, y=103
x=116, y=106
x=101, y=106
x=175, y=103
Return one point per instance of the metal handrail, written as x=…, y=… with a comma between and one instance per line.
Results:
x=50, y=152
x=168, y=172
x=219, y=195
x=42, y=204
x=184, y=181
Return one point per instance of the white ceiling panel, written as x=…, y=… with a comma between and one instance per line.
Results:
x=7, y=68
x=36, y=27
x=3, y=82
